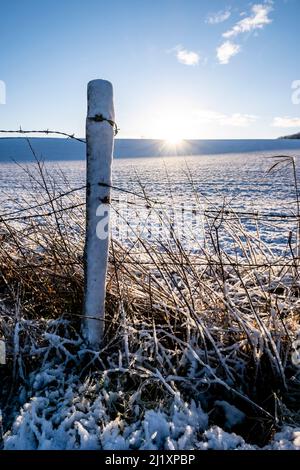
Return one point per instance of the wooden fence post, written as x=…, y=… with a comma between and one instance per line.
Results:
x=100, y=130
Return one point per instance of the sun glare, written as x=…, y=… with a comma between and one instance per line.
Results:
x=173, y=140
x=170, y=127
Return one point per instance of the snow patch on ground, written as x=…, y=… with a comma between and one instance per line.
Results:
x=65, y=414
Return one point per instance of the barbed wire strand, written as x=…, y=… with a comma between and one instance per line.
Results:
x=45, y=131
x=221, y=212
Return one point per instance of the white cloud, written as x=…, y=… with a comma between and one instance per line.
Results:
x=218, y=17
x=233, y=120
x=240, y=120
x=286, y=121
x=257, y=20
x=187, y=57
x=227, y=50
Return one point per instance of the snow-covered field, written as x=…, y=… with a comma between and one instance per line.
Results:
x=241, y=178
x=239, y=181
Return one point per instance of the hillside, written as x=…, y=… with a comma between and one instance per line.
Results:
x=16, y=148
x=292, y=136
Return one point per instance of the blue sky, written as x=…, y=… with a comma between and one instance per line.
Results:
x=187, y=68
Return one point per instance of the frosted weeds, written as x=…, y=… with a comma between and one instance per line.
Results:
x=217, y=439
x=69, y=416
x=208, y=332
x=63, y=414
x=287, y=439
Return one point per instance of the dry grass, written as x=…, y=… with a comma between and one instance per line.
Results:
x=208, y=326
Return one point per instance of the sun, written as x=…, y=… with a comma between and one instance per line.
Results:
x=169, y=127
x=172, y=136
x=174, y=140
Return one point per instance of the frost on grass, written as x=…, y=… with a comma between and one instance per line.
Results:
x=200, y=349
x=62, y=411
x=64, y=414
x=70, y=418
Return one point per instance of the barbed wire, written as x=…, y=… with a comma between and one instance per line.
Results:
x=208, y=263
x=101, y=118
x=41, y=204
x=226, y=214
x=45, y=131
x=45, y=214
x=97, y=118
x=290, y=263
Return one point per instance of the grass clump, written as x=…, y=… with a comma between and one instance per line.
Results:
x=212, y=325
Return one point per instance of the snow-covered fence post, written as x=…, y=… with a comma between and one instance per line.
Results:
x=100, y=128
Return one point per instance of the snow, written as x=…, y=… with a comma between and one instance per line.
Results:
x=240, y=179
x=287, y=439
x=60, y=410
x=57, y=418
x=67, y=149
x=65, y=414
x=217, y=439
